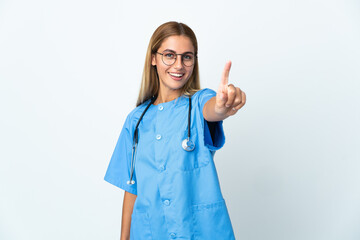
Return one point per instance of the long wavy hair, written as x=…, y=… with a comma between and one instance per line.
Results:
x=150, y=84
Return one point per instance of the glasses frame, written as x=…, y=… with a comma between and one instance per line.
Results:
x=176, y=54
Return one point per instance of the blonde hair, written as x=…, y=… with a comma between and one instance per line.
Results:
x=150, y=82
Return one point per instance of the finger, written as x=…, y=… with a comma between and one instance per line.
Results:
x=243, y=101
x=233, y=110
x=221, y=98
x=243, y=98
x=222, y=91
x=231, y=92
x=238, y=97
x=225, y=74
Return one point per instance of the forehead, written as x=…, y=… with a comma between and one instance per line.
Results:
x=178, y=44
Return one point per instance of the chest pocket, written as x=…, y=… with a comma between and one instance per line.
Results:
x=190, y=160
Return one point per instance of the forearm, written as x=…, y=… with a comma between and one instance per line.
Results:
x=128, y=205
x=209, y=112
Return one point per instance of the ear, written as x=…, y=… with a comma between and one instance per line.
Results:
x=153, y=60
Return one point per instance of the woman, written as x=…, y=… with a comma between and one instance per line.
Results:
x=164, y=156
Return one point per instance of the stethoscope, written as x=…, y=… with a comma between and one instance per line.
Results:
x=186, y=144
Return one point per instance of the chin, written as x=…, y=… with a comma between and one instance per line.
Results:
x=175, y=85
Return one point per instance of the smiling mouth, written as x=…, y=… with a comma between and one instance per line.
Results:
x=177, y=75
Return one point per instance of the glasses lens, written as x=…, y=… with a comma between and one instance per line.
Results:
x=168, y=58
x=188, y=59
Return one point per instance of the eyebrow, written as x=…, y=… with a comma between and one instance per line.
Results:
x=170, y=50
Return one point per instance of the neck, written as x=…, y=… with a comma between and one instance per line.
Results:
x=166, y=96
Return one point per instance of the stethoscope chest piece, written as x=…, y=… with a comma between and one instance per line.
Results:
x=132, y=182
x=188, y=145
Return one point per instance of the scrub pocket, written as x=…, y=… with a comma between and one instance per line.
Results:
x=212, y=221
x=188, y=161
x=140, y=226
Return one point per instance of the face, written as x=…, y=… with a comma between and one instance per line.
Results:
x=175, y=76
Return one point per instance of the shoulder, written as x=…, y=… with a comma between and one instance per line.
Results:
x=203, y=92
x=135, y=114
x=203, y=95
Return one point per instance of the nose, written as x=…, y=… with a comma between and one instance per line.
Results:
x=178, y=62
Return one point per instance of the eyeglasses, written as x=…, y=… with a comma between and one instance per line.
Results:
x=169, y=58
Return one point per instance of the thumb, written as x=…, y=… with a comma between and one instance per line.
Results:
x=221, y=96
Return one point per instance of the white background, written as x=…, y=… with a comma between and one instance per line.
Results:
x=70, y=73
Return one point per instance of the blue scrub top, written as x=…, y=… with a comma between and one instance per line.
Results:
x=178, y=192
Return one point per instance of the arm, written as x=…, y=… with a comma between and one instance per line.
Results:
x=209, y=112
x=128, y=205
x=229, y=99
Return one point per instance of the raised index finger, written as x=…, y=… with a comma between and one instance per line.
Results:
x=225, y=74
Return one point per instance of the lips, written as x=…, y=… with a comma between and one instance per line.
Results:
x=176, y=76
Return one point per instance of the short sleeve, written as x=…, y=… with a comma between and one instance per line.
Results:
x=118, y=171
x=214, y=136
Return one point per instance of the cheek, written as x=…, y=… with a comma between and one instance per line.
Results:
x=163, y=68
x=190, y=73
x=161, y=71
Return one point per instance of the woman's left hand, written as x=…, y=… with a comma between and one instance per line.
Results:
x=229, y=99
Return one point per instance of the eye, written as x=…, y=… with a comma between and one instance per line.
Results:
x=188, y=57
x=169, y=55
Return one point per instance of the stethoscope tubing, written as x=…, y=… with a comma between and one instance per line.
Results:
x=187, y=144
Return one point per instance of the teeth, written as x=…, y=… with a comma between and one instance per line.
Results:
x=176, y=74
